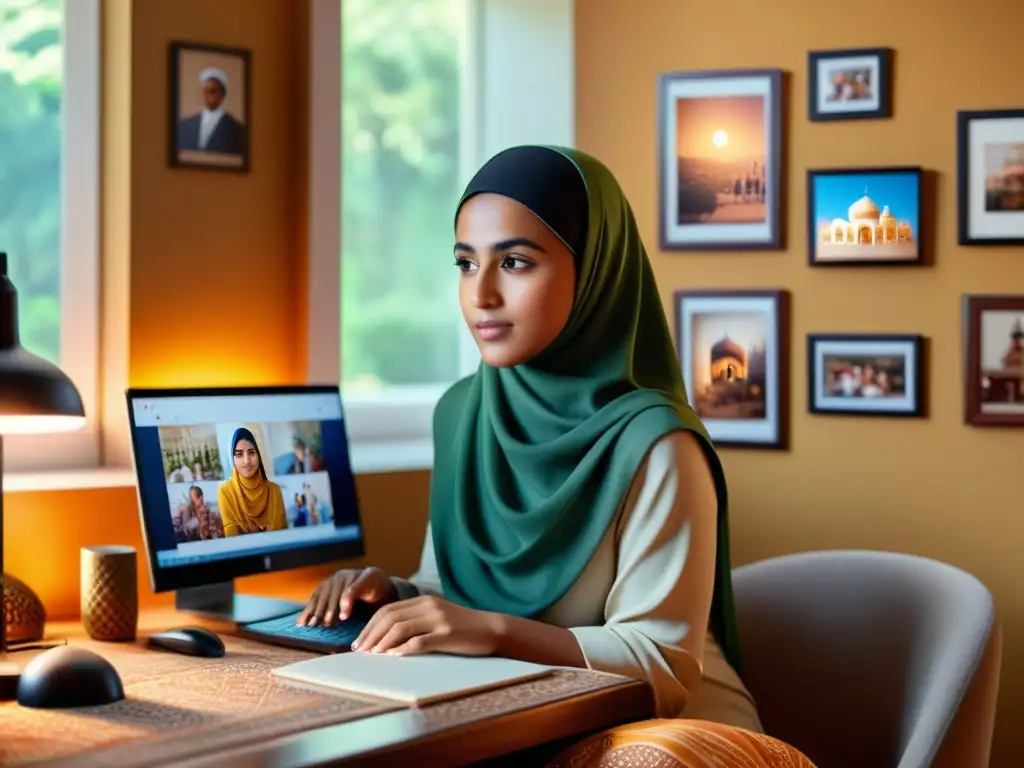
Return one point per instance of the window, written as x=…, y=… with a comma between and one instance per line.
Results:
x=401, y=66
x=424, y=92
x=49, y=197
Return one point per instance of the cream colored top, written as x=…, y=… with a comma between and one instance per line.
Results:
x=642, y=605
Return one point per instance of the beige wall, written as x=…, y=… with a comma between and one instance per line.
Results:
x=932, y=487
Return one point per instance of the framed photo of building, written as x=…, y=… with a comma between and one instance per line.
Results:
x=994, y=360
x=733, y=348
x=209, y=107
x=854, y=84
x=990, y=177
x=866, y=374
x=865, y=217
x=721, y=160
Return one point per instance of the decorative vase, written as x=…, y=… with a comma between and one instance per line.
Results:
x=110, y=599
x=24, y=611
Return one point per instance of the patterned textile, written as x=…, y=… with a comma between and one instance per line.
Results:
x=680, y=744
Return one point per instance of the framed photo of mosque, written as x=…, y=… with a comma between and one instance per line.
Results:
x=993, y=360
x=865, y=374
x=869, y=217
x=990, y=177
x=854, y=84
x=720, y=160
x=733, y=349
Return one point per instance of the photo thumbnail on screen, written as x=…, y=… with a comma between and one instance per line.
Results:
x=230, y=479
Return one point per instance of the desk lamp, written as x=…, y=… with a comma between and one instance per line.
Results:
x=37, y=397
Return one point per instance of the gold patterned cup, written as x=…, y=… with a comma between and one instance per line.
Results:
x=110, y=593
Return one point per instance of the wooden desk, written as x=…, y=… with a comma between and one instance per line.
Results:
x=232, y=711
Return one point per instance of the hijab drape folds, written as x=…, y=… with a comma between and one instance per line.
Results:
x=533, y=462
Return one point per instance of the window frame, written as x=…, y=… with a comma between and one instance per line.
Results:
x=80, y=249
x=392, y=430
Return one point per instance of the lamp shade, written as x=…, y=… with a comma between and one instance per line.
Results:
x=35, y=395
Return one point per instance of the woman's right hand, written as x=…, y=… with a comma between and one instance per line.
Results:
x=335, y=595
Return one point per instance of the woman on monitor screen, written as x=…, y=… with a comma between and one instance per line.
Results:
x=248, y=501
x=578, y=512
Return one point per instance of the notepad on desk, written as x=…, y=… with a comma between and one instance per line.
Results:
x=412, y=680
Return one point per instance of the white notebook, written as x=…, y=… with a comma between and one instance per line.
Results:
x=413, y=680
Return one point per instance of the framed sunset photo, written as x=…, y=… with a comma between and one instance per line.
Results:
x=721, y=160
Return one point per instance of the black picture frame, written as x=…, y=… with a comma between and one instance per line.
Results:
x=914, y=346
x=966, y=191
x=233, y=130
x=881, y=108
x=918, y=231
x=759, y=235
x=724, y=432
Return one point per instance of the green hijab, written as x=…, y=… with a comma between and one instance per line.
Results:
x=531, y=463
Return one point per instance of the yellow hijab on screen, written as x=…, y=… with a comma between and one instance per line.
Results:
x=250, y=504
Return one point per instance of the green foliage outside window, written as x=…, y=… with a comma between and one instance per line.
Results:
x=31, y=60
x=401, y=71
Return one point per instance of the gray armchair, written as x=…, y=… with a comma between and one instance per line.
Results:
x=861, y=658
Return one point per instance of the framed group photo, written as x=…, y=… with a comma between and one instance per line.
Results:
x=209, y=107
x=732, y=346
x=994, y=360
x=865, y=217
x=854, y=84
x=720, y=159
x=990, y=177
x=866, y=374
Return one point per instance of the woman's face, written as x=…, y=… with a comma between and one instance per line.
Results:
x=518, y=279
x=246, y=460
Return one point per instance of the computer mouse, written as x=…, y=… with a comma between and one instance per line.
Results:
x=67, y=677
x=192, y=641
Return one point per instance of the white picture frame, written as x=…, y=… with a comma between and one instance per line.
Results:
x=746, y=407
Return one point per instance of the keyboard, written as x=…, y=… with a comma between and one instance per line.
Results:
x=283, y=631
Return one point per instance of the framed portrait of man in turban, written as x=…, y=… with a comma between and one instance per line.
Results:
x=209, y=107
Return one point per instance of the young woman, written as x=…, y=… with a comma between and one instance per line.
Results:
x=578, y=508
x=248, y=501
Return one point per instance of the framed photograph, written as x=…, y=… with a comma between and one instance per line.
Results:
x=209, y=107
x=721, y=160
x=733, y=348
x=864, y=216
x=854, y=84
x=994, y=361
x=990, y=177
x=865, y=374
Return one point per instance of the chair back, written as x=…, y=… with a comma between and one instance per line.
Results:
x=862, y=658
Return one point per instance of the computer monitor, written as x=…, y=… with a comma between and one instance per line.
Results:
x=291, y=502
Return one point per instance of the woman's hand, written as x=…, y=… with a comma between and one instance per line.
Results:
x=430, y=625
x=335, y=596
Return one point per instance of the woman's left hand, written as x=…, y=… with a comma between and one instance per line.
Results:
x=429, y=624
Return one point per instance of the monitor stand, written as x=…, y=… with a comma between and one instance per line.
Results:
x=219, y=601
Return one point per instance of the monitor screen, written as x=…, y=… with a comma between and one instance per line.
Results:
x=236, y=482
